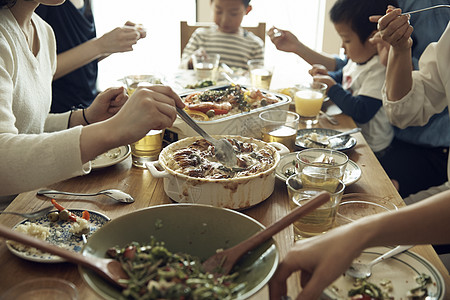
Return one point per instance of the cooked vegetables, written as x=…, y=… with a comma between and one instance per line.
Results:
x=156, y=273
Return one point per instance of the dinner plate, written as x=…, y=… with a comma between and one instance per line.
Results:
x=402, y=270
x=59, y=236
x=286, y=167
x=341, y=143
x=111, y=157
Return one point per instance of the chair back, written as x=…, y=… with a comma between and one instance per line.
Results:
x=187, y=30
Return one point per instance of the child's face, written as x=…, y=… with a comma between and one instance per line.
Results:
x=354, y=49
x=228, y=14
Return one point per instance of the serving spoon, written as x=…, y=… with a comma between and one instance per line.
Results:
x=115, y=194
x=222, y=262
x=326, y=141
x=426, y=8
x=224, y=151
x=358, y=270
x=109, y=269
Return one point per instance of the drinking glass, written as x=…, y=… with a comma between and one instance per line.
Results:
x=308, y=102
x=321, y=168
x=279, y=126
x=205, y=65
x=147, y=149
x=322, y=218
x=260, y=73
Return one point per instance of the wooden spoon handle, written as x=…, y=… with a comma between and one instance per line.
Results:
x=44, y=246
x=279, y=225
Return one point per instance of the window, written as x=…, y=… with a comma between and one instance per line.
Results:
x=159, y=52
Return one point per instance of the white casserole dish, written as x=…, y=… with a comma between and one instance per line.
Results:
x=243, y=124
x=235, y=193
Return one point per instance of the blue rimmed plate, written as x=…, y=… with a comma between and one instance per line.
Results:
x=402, y=270
x=341, y=143
x=60, y=236
x=286, y=167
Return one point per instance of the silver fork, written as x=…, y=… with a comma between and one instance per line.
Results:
x=31, y=215
x=426, y=8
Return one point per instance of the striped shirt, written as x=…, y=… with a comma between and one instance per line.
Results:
x=235, y=49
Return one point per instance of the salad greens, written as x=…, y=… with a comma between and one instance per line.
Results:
x=156, y=273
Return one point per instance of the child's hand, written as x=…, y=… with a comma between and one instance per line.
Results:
x=328, y=80
x=284, y=40
x=318, y=70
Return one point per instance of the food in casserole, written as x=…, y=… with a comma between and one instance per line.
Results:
x=156, y=273
x=216, y=104
x=198, y=160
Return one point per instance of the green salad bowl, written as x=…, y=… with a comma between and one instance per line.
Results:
x=195, y=229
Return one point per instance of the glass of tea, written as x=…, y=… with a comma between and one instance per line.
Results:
x=322, y=168
x=260, y=73
x=308, y=102
x=322, y=218
x=205, y=65
x=147, y=149
x=279, y=126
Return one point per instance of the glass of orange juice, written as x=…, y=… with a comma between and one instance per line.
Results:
x=308, y=102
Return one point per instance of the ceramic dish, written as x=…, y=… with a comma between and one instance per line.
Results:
x=195, y=229
x=60, y=236
x=111, y=157
x=341, y=143
x=286, y=167
x=358, y=205
x=402, y=270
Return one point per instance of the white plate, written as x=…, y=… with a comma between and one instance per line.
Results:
x=60, y=236
x=341, y=143
x=401, y=270
x=111, y=157
x=287, y=164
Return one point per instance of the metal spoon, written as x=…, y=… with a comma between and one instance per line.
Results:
x=326, y=142
x=358, y=270
x=424, y=9
x=330, y=119
x=223, y=149
x=31, y=215
x=117, y=195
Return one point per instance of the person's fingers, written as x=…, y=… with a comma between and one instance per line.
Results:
x=168, y=91
x=385, y=20
x=375, y=18
x=277, y=285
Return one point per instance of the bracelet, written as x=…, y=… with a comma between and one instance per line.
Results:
x=70, y=116
x=84, y=117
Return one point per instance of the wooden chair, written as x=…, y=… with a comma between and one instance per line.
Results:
x=187, y=30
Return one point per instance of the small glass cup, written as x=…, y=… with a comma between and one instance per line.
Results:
x=321, y=219
x=205, y=65
x=279, y=126
x=321, y=167
x=147, y=149
x=50, y=288
x=308, y=102
x=132, y=82
x=260, y=73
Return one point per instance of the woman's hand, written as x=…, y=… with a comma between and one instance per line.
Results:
x=394, y=28
x=148, y=108
x=320, y=259
x=121, y=39
x=106, y=104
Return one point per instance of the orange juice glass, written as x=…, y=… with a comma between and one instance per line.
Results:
x=308, y=101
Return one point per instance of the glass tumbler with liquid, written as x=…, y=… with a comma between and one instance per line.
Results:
x=308, y=101
x=321, y=219
x=147, y=149
x=206, y=65
x=279, y=126
x=260, y=73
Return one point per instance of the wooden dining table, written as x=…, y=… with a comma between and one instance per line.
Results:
x=149, y=191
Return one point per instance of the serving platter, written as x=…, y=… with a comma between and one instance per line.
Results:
x=111, y=157
x=402, y=270
x=342, y=143
x=60, y=236
x=286, y=167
